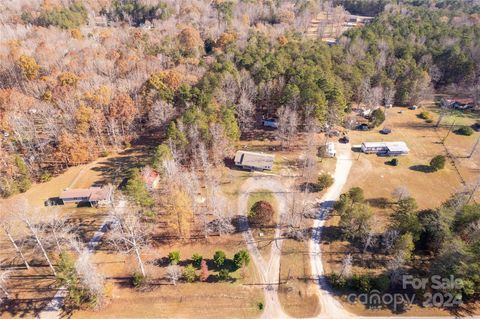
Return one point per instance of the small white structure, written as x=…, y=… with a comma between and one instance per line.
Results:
x=385, y=148
x=330, y=150
x=254, y=161
x=273, y=123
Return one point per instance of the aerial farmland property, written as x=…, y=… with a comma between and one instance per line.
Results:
x=239, y=159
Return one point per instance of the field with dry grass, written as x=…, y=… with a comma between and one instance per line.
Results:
x=378, y=179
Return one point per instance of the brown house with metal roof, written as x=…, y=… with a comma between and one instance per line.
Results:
x=95, y=196
x=254, y=161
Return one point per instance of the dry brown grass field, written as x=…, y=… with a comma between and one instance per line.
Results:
x=378, y=180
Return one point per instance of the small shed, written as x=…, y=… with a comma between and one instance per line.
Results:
x=330, y=150
x=253, y=160
x=151, y=178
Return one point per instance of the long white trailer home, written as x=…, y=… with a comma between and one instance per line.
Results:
x=385, y=148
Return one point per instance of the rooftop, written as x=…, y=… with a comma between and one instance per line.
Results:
x=253, y=159
x=90, y=194
x=391, y=146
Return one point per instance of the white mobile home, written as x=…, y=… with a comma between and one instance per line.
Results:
x=254, y=161
x=385, y=148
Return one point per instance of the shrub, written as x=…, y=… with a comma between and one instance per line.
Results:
x=438, y=162
x=394, y=162
x=429, y=121
x=174, y=257
x=241, y=258
x=224, y=274
x=45, y=177
x=424, y=115
x=261, y=214
x=378, y=117
x=260, y=306
x=138, y=279
x=197, y=260
x=464, y=130
x=361, y=283
x=189, y=273
x=324, y=181
x=336, y=281
x=219, y=258
x=381, y=283
x=356, y=194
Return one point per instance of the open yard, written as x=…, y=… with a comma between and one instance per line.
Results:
x=379, y=179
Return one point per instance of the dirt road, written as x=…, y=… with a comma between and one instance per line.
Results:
x=268, y=270
x=329, y=306
x=53, y=310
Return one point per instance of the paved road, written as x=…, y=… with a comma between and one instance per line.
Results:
x=269, y=271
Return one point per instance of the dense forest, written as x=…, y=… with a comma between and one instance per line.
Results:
x=80, y=79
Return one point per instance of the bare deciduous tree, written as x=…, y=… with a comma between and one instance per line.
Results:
x=89, y=275
x=56, y=230
x=7, y=224
x=389, y=238
x=400, y=192
x=128, y=233
x=4, y=275
x=25, y=215
x=346, y=270
x=287, y=125
x=174, y=273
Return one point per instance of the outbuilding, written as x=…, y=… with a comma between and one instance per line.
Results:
x=330, y=150
x=385, y=148
x=253, y=160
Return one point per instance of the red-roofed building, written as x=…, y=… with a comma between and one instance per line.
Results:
x=151, y=178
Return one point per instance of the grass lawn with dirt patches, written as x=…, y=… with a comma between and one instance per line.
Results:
x=160, y=299
x=296, y=292
x=378, y=179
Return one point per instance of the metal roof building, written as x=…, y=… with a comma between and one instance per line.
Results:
x=388, y=148
x=252, y=160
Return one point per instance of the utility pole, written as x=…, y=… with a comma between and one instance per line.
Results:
x=449, y=130
x=474, y=190
x=474, y=148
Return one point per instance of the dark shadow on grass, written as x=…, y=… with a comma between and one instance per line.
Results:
x=422, y=168
x=380, y=202
x=309, y=187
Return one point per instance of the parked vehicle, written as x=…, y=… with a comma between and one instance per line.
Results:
x=413, y=107
x=344, y=140
x=476, y=126
x=273, y=123
x=385, y=131
x=363, y=127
